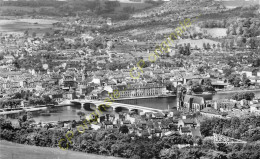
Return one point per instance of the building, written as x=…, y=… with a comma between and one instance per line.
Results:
x=193, y=103
x=255, y=108
x=137, y=90
x=185, y=131
x=187, y=123
x=211, y=112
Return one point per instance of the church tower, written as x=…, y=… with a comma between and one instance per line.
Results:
x=180, y=97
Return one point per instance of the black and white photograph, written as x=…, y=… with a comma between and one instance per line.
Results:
x=136, y=79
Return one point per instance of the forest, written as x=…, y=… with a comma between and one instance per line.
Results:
x=118, y=142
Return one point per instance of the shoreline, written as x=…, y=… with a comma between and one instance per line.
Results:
x=146, y=97
x=238, y=91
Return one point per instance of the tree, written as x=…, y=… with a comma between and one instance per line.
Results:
x=187, y=51
x=189, y=83
x=181, y=50
x=34, y=34
x=208, y=46
x=251, y=43
x=232, y=44
x=236, y=82
x=1, y=57
x=201, y=69
x=204, y=46
x=218, y=46
x=197, y=89
x=240, y=41
x=47, y=34
x=26, y=33
x=207, y=82
x=214, y=45
x=246, y=96
x=124, y=129
x=5, y=124
x=222, y=45
x=80, y=114
x=245, y=80
x=240, y=30
x=16, y=64
x=46, y=99
x=128, y=9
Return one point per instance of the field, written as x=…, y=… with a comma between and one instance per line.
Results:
x=137, y=6
x=9, y=150
x=238, y=3
x=199, y=42
x=216, y=32
x=20, y=25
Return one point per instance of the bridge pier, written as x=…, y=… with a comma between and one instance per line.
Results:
x=106, y=108
x=113, y=106
x=82, y=106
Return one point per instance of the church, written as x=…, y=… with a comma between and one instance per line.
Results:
x=192, y=103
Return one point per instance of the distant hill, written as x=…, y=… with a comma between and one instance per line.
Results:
x=239, y=3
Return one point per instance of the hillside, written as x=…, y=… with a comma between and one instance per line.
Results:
x=239, y=3
x=11, y=150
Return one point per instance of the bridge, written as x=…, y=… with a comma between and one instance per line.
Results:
x=115, y=106
x=98, y=105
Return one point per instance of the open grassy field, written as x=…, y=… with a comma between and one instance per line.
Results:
x=9, y=150
x=239, y=3
x=40, y=26
x=216, y=32
x=137, y=6
x=198, y=42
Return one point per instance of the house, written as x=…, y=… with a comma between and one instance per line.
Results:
x=255, y=108
x=127, y=123
x=173, y=127
x=223, y=105
x=219, y=85
x=145, y=133
x=165, y=128
x=195, y=132
x=185, y=131
x=248, y=72
x=158, y=132
x=108, y=125
x=254, y=80
x=158, y=116
x=193, y=78
x=211, y=112
x=187, y=123
x=9, y=58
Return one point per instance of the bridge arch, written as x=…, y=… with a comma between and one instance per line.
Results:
x=108, y=106
x=104, y=107
x=84, y=106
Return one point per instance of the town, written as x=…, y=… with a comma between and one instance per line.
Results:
x=70, y=78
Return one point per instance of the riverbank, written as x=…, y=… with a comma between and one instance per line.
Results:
x=238, y=91
x=10, y=150
x=147, y=97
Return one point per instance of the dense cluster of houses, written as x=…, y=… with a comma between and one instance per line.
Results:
x=144, y=124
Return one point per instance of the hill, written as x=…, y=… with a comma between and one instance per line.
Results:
x=11, y=150
x=239, y=3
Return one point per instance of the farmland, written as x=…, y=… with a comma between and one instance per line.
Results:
x=20, y=25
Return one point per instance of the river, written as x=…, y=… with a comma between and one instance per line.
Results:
x=70, y=112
